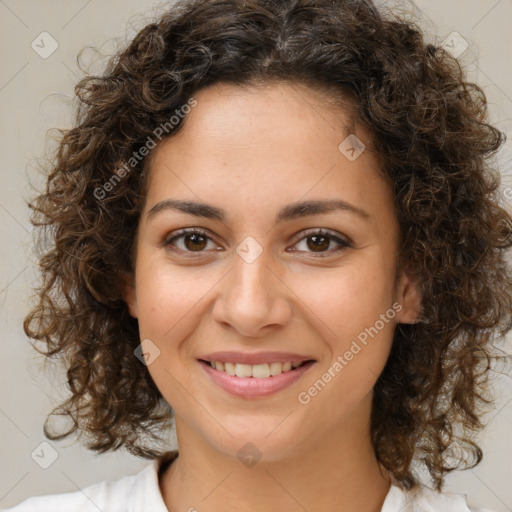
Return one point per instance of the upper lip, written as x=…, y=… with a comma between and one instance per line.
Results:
x=254, y=358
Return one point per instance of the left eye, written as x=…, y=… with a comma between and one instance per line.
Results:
x=318, y=241
x=195, y=240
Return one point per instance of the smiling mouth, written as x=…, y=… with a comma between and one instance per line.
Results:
x=257, y=371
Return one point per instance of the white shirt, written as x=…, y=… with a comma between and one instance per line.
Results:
x=141, y=493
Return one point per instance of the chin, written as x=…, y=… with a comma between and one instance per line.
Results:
x=251, y=440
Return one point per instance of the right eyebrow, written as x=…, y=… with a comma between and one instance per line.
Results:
x=191, y=207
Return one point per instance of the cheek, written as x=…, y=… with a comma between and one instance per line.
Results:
x=356, y=323
x=170, y=307
x=168, y=296
x=347, y=300
x=351, y=310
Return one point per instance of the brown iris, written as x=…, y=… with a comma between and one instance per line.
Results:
x=197, y=241
x=319, y=242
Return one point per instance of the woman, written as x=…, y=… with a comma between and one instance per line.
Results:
x=276, y=224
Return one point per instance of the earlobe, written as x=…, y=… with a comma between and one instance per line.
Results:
x=128, y=291
x=409, y=296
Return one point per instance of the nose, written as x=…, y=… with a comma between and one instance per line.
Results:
x=252, y=298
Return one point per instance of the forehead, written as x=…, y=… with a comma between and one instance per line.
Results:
x=267, y=113
x=255, y=143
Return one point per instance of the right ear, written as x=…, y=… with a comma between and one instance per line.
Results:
x=128, y=292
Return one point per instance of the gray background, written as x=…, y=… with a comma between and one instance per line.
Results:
x=34, y=97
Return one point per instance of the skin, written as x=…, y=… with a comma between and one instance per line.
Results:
x=251, y=151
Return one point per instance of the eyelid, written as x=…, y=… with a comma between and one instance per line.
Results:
x=338, y=237
x=343, y=241
x=188, y=231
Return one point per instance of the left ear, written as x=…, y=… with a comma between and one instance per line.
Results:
x=409, y=297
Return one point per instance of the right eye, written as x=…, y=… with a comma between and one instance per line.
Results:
x=191, y=240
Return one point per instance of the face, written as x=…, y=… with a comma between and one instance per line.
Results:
x=255, y=281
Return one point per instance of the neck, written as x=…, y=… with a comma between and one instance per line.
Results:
x=328, y=475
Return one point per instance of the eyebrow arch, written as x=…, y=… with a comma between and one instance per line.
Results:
x=288, y=212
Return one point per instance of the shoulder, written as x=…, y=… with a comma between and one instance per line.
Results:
x=131, y=493
x=423, y=499
x=108, y=496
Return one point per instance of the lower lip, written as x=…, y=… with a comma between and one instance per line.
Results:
x=250, y=387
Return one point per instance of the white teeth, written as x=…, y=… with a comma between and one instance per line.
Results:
x=261, y=371
x=230, y=368
x=258, y=371
x=276, y=368
x=243, y=370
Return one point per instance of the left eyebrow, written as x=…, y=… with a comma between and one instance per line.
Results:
x=288, y=212
x=295, y=210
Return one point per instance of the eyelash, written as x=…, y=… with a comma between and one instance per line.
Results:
x=309, y=233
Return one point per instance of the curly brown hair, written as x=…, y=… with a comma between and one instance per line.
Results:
x=434, y=140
